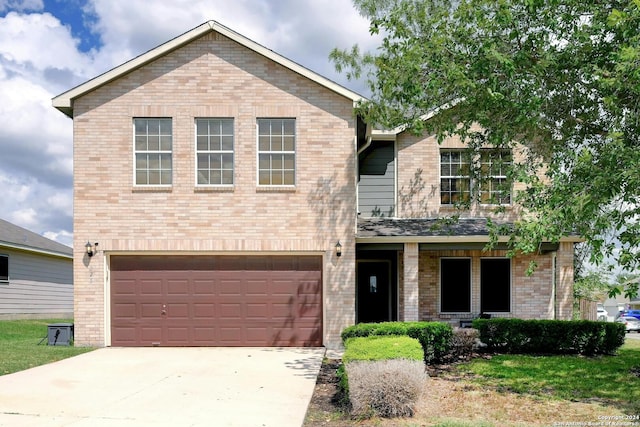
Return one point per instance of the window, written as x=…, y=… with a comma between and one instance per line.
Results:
x=455, y=285
x=455, y=179
x=491, y=182
x=495, y=187
x=153, y=145
x=4, y=268
x=495, y=285
x=214, y=151
x=276, y=151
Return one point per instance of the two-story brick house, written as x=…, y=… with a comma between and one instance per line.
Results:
x=235, y=199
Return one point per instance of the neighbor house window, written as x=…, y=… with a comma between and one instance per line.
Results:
x=455, y=179
x=153, y=151
x=214, y=151
x=4, y=268
x=495, y=187
x=495, y=285
x=276, y=151
x=455, y=285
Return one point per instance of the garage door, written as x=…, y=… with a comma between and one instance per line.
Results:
x=216, y=301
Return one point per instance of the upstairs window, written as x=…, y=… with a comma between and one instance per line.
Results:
x=4, y=268
x=455, y=177
x=276, y=152
x=214, y=151
x=495, y=187
x=153, y=151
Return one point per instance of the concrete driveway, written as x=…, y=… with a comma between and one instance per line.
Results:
x=122, y=387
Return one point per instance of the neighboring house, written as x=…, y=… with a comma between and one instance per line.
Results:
x=36, y=275
x=237, y=201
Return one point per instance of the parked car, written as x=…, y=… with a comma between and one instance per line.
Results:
x=633, y=313
x=602, y=314
x=631, y=323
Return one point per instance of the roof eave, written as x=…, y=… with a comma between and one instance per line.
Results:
x=35, y=250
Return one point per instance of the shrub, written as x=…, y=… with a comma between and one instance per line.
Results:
x=382, y=348
x=463, y=342
x=434, y=337
x=385, y=388
x=550, y=336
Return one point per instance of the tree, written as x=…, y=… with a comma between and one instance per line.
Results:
x=558, y=77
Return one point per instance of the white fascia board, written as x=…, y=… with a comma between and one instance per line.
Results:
x=34, y=250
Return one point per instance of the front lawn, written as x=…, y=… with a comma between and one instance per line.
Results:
x=19, y=349
x=612, y=380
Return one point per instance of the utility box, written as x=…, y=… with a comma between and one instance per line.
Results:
x=60, y=334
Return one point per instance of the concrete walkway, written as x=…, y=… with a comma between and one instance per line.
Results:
x=123, y=387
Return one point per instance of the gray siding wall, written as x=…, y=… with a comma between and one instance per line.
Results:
x=376, y=189
x=39, y=286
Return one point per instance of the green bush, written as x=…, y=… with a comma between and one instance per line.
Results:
x=382, y=348
x=550, y=336
x=434, y=337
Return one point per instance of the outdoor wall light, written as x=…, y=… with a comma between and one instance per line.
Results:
x=338, y=249
x=91, y=249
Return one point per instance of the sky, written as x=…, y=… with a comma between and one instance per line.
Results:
x=49, y=46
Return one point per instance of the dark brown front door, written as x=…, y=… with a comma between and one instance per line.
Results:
x=374, y=291
x=216, y=301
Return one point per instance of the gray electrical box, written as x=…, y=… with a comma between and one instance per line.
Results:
x=60, y=333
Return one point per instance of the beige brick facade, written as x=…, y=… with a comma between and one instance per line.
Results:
x=213, y=77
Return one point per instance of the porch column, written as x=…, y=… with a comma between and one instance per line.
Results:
x=411, y=293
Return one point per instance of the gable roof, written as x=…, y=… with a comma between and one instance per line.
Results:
x=14, y=237
x=64, y=101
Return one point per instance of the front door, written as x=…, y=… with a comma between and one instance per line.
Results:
x=374, y=291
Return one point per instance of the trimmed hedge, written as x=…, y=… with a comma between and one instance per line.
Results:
x=434, y=337
x=377, y=347
x=550, y=336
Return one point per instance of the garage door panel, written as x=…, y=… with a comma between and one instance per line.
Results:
x=218, y=300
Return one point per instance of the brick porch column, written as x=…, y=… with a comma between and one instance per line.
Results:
x=411, y=306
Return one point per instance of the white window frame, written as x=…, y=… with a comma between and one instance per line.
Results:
x=159, y=152
x=219, y=152
x=450, y=177
x=281, y=152
x=490, y=179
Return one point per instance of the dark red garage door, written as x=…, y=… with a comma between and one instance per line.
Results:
x=216, y=301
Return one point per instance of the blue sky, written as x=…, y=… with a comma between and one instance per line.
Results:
x=50, y=46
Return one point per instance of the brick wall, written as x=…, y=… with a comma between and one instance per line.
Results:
x=213, y=77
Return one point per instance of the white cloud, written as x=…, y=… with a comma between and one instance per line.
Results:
x=21, y=5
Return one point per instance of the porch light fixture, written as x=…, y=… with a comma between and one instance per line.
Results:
x=91, y=249
x=338, y=249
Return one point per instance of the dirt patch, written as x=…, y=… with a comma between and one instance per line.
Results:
x=451, y=398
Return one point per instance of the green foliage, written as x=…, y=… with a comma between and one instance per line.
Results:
x=550, y=336
x=19, y=347
x=434, y=337
x=382, y=348
x=559, y=78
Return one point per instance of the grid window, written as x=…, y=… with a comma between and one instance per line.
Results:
x=4, y=268
x=276, y=151
x=495, y=187
x=214, y=151
x=455, y=179
x=455, y=285
x=153, y=151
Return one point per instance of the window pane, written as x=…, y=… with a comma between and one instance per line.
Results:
x=141, y=143
x=216, y=177
x=288, y=143
x=289, y=161
x=227, y=161
x=153, y=143
x=277, y=162
x=227, y=177
x=153, y=127
x=202, y=127
x=276, y=144
x=264, y=161
x=455, y=285
x=264, y=178
x=276, y=127
x=227, y=127
x=154, y=177
x=165, y=177
x=289, y=178
x=153, y=162
x=495, y=285
x=227, y=143
x=276, y=177
x=4, y=268
x=140, y=126
x=202, y=143
x=264, y=143
x=165, y=127
x=141, y=161
x=141, y=177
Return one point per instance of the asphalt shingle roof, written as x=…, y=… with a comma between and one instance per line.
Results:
x=423, y=227
x=12, y=235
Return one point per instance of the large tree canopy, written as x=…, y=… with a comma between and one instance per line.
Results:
x=559, y=77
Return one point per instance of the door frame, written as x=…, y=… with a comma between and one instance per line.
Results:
x=392, y=290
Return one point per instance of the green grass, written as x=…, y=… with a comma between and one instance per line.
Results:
x=19, y=349
x=382, y=348
x=610, y=379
